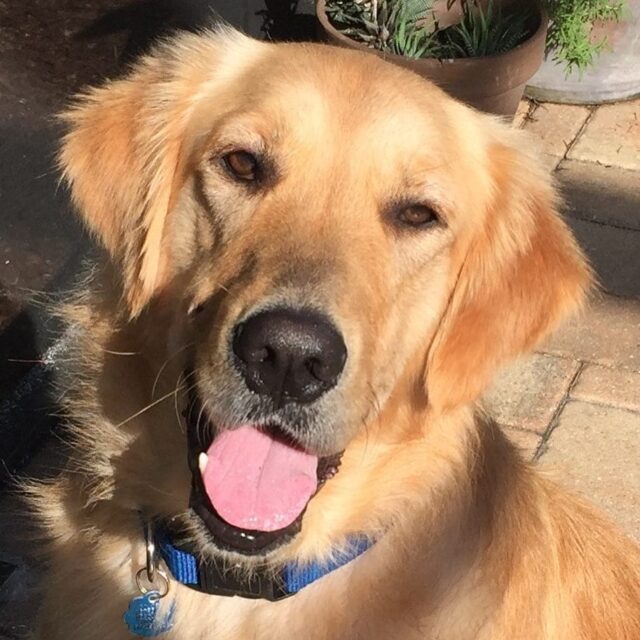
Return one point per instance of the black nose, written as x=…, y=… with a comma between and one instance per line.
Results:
x=290, y=355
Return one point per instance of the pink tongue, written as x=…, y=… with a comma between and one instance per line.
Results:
x=256, y=482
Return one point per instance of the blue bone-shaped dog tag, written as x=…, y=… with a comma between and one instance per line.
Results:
x=142, y=616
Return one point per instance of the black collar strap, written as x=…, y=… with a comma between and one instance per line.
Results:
x=208, y=577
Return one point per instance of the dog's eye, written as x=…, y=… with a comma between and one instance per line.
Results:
x=242, y=165
x=417, y=215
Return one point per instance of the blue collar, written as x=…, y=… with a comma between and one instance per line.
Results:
x=208, y=577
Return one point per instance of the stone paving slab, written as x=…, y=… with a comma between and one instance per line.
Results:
x=614, y=254
x=526, y=394
x=555, y=126
x=607, y=332
x=612, y=137
x=601, y=385
x=595, y=450
x=601, y=194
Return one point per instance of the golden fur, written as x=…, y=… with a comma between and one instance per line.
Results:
x=473, y=543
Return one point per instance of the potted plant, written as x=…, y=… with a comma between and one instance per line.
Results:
x=480, y=51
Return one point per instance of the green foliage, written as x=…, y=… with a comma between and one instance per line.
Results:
x=485, y=32
x=409, y=27
x=569, y=30
x=410, y=36
x=393, y=26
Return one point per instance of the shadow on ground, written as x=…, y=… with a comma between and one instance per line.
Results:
x=604, y=217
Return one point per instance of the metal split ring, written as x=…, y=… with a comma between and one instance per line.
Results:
x=162, y=589
x=151, y=573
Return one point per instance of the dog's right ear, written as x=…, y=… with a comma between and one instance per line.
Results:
x=122, y=159
x=125, y=153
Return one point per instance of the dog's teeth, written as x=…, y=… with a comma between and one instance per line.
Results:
x=203, y=459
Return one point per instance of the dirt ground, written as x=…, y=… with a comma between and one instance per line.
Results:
x=50, y=48
x=44, y=55
x=44, y=58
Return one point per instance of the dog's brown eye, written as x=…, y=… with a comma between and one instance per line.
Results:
x=242, y=164
x=417, y=215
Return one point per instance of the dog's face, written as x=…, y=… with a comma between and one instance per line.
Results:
x=336, y=236
x=311, y=232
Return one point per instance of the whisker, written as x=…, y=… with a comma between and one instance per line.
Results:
x=207, y=427
x=175, y=403
x=199, y=435
x=121, y=353
x=143, y=410
x=164, y=365
x=225, y=289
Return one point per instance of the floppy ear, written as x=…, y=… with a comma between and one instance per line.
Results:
x=124, y=155
x=122, y=159
x=517, y=278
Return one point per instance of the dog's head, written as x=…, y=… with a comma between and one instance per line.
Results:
x=347, y=250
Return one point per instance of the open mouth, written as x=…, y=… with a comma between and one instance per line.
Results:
x=251, y=485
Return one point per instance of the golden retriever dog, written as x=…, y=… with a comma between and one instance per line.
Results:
x=314, y=263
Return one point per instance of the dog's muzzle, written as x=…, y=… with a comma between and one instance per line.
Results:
x=252, y=480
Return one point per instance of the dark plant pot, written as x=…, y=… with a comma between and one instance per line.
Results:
x=493, y=83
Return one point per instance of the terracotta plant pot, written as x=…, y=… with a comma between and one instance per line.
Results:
x=493, y=83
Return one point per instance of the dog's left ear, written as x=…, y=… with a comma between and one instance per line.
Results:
x=517, y=277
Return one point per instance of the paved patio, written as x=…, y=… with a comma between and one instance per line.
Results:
x=575, y=405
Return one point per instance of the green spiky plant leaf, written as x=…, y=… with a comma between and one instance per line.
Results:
x=392, y=26
x=486, y=31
